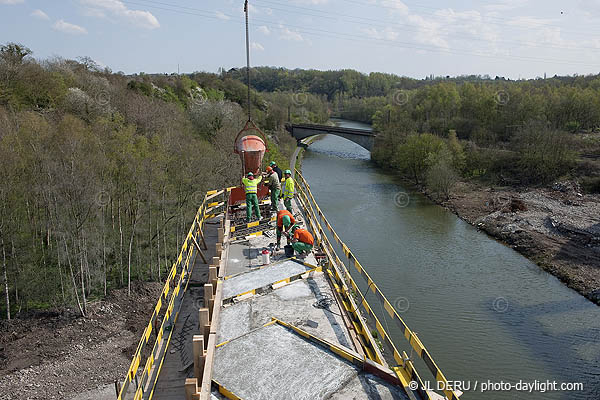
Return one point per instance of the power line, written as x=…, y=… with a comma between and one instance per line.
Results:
x=352, y=37
x=587, y=34
x=415, y=28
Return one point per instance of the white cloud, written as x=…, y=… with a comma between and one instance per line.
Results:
x=257, y=46
x=467, y=24
x=529, y=22
x=144, y=19
x=398, y=5
x=220, y=15
x=385, y=34
x=540, y=31
x=264, y=30
x=94, y=12
x=590, y=7
x=429, y=31
x=66, y=27
x=287, y=34
x=11, y=2
x=506, y=5
x=40, y=15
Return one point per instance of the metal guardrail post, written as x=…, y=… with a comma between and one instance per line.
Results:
x=405, y=367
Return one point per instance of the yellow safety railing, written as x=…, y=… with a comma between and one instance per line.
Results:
x=184, y=262
x=405, y=370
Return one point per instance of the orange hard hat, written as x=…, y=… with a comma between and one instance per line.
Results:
x=269, y=169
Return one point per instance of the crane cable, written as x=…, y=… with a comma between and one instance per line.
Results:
x=247, y=58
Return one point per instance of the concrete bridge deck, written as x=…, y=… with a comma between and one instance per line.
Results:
x=293, y=328
x=258, y=359
x=310, y=351
x=362, y=137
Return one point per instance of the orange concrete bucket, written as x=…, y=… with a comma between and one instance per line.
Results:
x=251, y=148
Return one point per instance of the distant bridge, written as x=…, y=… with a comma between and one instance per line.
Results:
x=362, y=137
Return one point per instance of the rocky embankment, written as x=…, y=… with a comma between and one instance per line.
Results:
x=557, y=227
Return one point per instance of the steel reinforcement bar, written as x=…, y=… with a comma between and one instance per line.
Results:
x=406, y=370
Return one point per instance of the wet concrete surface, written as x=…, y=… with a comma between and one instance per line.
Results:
x=262, y=277
x=274, y=363
x=296, y=304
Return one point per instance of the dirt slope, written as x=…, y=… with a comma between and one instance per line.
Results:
x=57, y=355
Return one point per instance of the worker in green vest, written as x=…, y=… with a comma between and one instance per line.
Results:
x=251, y=188
x=288, y=190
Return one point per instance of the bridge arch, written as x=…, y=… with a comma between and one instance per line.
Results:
x=361, y=137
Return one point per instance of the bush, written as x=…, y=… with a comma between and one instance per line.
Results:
x=544, y=154
x=441, y=175
x=413, y=155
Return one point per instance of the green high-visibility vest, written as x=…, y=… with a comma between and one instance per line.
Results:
x=251, y=186
x=288, y=191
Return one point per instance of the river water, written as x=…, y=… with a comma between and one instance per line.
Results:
x=485, y=313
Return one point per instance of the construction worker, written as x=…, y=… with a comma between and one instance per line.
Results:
x=285, y=220
x=274, y=186
x=277, y=170
x=303, y=241
x=251, y=188
x=288, y=190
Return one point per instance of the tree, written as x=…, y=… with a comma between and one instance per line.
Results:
x=413, y=155
x=544, y=154
x=441, y=176
x=14, y=53
x=456, y=151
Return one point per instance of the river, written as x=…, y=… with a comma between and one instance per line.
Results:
x=484, y=312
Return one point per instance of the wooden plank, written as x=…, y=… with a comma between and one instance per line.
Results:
x=203, y=240
x=191, y=389
x=212, y=275
x=199, y=250
x=198, y=346
x=208, y=366
x=204, y=323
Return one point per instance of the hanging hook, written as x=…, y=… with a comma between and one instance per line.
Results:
x=247, y=58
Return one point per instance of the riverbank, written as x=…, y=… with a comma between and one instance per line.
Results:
x=558, y=227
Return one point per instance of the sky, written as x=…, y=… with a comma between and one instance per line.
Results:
x=509, y=38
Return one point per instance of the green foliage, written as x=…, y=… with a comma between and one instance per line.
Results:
x=477, y=161
x=274, y=154
x=14, y=53
x=544, y=154
x=441, y=175
x=414, y=156
x=458, y=161
x=101, y=186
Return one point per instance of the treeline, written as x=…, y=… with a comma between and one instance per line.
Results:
x=102, y=173
x=510, y=132
x=516, y=133
x=348, y=83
